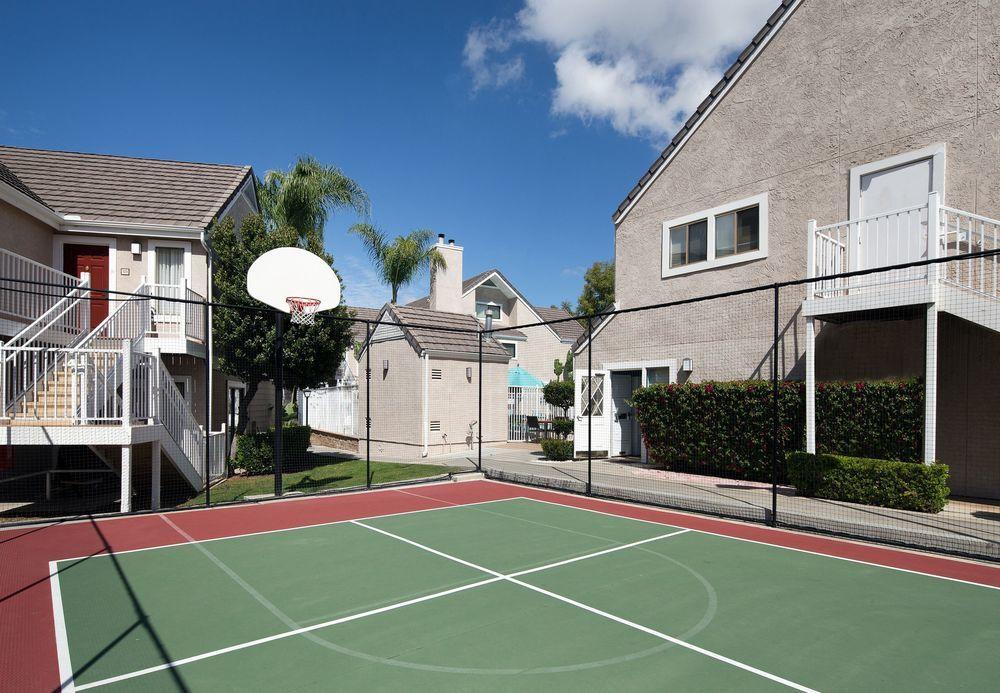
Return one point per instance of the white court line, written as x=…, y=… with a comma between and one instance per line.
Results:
x=595, y=555
x=283, y=635
x=625, y=622
x=284, y=529
x=765, y=543
x=497, y=577
x=62, y=641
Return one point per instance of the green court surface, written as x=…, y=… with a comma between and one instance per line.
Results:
x=515, y=594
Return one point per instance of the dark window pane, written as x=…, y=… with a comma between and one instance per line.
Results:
x=678, y=246
x=698, y=241
x=725, y=234
x=747, y=230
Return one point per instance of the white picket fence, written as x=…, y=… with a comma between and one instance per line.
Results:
x=331, y=409
x=523, y=402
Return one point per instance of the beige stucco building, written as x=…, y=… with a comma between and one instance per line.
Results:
x=845, y=137
x=81, y=237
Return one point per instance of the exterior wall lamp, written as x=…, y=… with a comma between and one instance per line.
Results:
x=687, y=364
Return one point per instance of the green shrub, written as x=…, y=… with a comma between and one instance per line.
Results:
x=562, y=427
x=886, y=483
x=721, y=429
x=557, y=449
x=255, y=451
x=881, y=419
x=559, y=393
x=724, y=428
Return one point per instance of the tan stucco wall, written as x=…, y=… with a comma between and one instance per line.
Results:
x=839, y=85
x=25, y=235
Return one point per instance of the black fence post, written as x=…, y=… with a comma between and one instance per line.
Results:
x=775, y=412
x=479, y=426
x=279, y=386
x=368, y=405
x=590, y=401
x=208, y=405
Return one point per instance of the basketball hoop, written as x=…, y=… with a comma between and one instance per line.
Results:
x=303, y=310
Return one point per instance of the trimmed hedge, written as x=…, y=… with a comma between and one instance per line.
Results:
x=885, y=483
x=720, y=429
x=557, y=449
x=724, y=428
x=255, y=451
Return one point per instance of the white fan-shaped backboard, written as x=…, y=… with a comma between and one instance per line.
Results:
x=284, y=272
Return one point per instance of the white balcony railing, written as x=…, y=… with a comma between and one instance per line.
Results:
x=913, y=234
x=30, y=288
x=179, y=314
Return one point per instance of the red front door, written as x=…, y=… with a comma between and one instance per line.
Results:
x=94, y=259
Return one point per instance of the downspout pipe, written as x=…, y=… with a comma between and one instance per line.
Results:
x=425, y=423
x=209, y=346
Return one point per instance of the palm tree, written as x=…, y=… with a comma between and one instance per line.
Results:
x=398, y=262
x=304, y=196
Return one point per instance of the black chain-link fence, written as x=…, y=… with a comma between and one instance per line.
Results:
x=862, y=404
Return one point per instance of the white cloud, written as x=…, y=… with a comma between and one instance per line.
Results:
x=363, y=288
x=483, y=46
x=640, y=65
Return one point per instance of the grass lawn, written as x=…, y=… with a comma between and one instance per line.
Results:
x=320, y=473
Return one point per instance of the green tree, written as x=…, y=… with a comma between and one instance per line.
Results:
x=568, y=366
x=598, y=292
x=559, y=393
x=303, y=197
x=398, y=262
x=557, y=368
x=244, y=339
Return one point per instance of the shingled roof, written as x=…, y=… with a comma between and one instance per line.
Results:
x=102, y=187
x=360, y=329
x=728, y=76
x=10, y=178
x=424, y=337
x=568, y=331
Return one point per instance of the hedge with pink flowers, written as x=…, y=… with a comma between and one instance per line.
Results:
x=725, y=428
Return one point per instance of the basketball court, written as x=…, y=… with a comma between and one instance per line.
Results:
x=483, y=586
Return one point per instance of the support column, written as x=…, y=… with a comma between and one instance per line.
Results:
x=811, y=385
x=126, y=479
x=930, y=385
x=154, y=500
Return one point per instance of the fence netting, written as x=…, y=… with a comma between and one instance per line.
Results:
x=864, y=405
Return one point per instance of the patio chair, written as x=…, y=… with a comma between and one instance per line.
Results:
x=533, y=425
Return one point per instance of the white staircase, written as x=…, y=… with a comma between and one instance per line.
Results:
x=56, y=372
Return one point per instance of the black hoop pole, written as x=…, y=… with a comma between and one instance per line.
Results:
x=368, y=405
x=774, y=414
x=279, y=386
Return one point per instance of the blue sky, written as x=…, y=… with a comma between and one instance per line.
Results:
x=514, y=127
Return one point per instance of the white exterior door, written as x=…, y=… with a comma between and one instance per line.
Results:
x=892, y=239
x=624, y=427
x=598, y=413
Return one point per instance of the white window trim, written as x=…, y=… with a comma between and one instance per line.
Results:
x=59, y=241
x=709, y=214
x=510, y=342
x=935, y=152
x=152, y=244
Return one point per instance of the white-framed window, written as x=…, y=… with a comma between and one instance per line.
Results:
x=511, y=348
x=184, y=385
x=724, y=235
x=169, y=262
x=488, y=308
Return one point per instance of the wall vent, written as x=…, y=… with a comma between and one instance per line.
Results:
x=437, y=374
x=435, y=425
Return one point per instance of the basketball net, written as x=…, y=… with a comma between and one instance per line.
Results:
x=302, y=309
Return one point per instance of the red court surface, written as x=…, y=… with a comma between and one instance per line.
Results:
x=28, y=658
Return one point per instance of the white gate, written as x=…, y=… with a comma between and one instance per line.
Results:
x=523, y=402
x=330, y=409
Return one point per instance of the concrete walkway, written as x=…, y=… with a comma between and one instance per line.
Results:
x=965, y=527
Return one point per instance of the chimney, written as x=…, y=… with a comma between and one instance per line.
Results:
x=446, y=282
